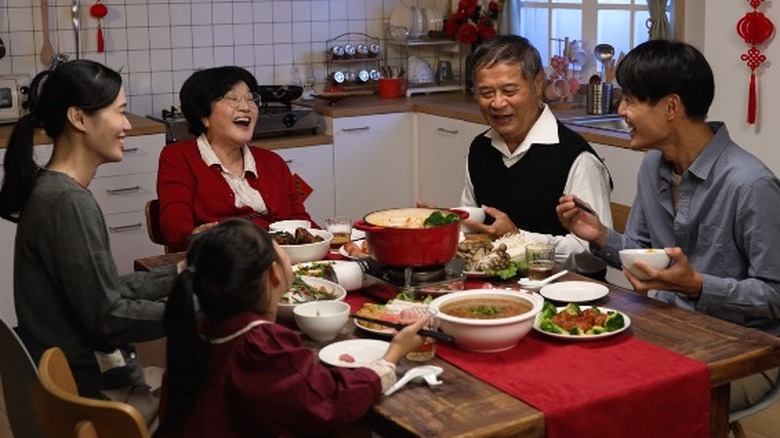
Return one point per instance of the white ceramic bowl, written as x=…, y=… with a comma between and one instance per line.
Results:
x=322, y=320
x=309, y=252
x=487, y=335
x=476, y=214
x=292, y=224
x=285, y=310
x=656, y=258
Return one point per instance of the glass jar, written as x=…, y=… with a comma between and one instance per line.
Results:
x=349, y=51
x=337, y=52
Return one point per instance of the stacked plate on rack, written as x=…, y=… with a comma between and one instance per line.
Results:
x=413, y=23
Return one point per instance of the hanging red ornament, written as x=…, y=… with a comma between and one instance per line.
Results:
x=756, y=29
x=99, y=11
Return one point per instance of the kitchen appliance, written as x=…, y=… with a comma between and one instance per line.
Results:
x=275, y=118
x=14, y=93
x=384, y=283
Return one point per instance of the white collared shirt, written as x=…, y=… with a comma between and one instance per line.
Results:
x=588, y=179
x=245, y=195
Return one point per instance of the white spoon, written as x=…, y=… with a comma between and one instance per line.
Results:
x=527, y=283
x=427, y=372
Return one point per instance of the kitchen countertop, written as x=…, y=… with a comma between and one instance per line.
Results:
x=456, y=105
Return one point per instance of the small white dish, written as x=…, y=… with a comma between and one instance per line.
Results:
x=289, y=225
x=574, y=291
x=362, y=351
x=656, y=258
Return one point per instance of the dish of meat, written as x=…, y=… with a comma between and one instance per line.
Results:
x=583, y=336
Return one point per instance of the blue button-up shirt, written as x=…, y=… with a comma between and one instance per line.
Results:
x=727, y=223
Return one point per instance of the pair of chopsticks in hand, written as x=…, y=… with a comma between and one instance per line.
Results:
x=439, y=336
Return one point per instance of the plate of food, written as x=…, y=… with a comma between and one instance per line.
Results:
x=574, y=291
x=312, y=269
x=504, y=258
x=390, y=312
x=353, y=353
x=357, y=249
x=580, y=323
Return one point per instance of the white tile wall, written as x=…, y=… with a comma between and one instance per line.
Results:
x=156, y=44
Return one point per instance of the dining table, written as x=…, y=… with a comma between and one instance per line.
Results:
x=465, y=405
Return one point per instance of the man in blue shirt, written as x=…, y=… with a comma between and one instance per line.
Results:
x=712, y=206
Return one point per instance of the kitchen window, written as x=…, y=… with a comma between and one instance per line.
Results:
x=621, y=23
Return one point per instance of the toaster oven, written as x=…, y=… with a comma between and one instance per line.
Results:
x=14, y=91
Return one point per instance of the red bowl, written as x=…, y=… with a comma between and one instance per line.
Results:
x=392, y=245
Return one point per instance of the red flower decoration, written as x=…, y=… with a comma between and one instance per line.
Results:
x=470, y=24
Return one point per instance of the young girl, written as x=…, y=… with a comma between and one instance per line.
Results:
x=236, y=373
x=66, y=286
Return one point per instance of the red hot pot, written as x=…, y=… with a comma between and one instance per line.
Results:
x=393, y=243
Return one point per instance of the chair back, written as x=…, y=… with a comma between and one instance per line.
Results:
x=63, y=412
x=17, y=376
x=153, y=222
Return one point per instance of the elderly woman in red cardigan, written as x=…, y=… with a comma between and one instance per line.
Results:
x=218, y=175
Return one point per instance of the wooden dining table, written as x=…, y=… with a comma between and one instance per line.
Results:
x=466, y=406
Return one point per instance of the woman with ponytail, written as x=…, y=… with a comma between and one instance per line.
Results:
x=235, y=372
x=67, y=290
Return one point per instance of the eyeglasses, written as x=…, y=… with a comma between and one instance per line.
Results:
x=234, y=100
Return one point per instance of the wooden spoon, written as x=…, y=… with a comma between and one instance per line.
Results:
x=47, y=51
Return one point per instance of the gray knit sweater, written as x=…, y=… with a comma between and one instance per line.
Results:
x=68, y=292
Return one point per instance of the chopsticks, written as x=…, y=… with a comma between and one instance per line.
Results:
x=582, y=206
x=428, y=333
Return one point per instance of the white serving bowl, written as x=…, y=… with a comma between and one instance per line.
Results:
x=322, y=320
x=286, y=310
x=476, y=214
x=655, y=258
x=309, y=252
x=487, y=335
x=289, y=225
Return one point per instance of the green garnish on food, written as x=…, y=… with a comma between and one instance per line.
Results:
x=514, y=268
x=437, y=218
x=485, y=310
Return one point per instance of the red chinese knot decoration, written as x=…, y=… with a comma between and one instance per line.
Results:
x=756, y=29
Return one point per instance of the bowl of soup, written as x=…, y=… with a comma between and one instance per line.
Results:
x=487, y=320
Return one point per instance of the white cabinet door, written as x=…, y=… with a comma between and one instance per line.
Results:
x=623, y=165
x=41, y=155
x=442, y=151
x=373, y=162
x=314, y=164
x=129, y=239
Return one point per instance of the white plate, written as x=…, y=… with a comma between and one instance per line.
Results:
x=574, y=291
x=364, y=351
x=306, y=265
x=384, y=332
x=626, y=319
x=346, y=254
x=357, y=234
x=401, y=21
x=418, y=23
x=476, y=274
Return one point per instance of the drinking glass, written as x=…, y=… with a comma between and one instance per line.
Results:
x=541, y=260
x=427, y=350
x=341, y=228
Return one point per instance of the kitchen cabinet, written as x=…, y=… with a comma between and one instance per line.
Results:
x=373, y=161
x=442, y=150
x=122, y=190
x=42, y=153
x=314, y=164
x=623, y=165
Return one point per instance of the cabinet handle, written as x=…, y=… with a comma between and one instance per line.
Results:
x=364, y=128
x=123, y=228
x=130, y=150
x=449, y=131
x=123, y=190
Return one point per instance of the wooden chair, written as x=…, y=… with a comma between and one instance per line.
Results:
x=772, y=397
x=153, y=223
x=18, y=375
x=620, y=214
x=65, y=414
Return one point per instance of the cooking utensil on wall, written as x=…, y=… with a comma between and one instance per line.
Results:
x=75, y=9
x=47, y=50
x=99, y=11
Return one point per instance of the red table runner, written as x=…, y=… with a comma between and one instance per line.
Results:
x=614, y=387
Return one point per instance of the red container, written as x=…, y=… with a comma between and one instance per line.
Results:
x=391, y=88
x=395, y=246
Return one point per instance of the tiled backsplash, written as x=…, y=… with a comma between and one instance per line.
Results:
x=156, y=44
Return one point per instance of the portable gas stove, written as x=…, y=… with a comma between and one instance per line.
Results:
x=274, y=119
x=386, y=282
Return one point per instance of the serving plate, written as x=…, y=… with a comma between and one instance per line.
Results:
x=364, y=351
x=568, y=337
x=344, y=253
x=387, y=331
x=401, y=19
x=574, y=291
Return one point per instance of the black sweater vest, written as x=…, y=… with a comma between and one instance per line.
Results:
x=529, y=190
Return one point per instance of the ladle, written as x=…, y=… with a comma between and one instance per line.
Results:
x=604, y=53
x=429, y=373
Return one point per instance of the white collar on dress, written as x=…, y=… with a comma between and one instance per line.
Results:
x=234, y=335
x=210, y=158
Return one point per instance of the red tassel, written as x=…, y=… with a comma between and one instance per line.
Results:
x=751, y=118
x=101, y=43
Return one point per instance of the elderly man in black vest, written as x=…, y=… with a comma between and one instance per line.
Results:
x=519, y=168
